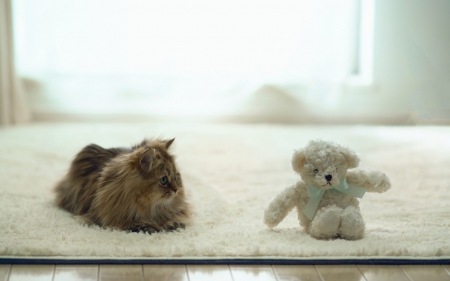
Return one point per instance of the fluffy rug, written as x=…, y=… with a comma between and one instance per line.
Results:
x=231, y=172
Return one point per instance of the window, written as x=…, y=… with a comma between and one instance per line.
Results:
x=180, y=57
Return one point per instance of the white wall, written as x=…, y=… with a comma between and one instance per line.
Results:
x=412, y=58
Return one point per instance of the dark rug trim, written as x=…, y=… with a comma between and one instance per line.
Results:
x=230, y=261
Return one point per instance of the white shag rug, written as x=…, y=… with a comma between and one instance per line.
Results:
x=231, y=172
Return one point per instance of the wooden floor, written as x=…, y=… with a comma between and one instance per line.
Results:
x=224, y=272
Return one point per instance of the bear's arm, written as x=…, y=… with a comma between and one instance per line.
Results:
x=372, y=181
x=283, y=203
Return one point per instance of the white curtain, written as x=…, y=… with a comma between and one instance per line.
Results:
x=180, y=57
x=13, y=104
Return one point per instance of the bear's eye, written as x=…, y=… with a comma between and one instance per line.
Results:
x=163, y=180
x=316, y=171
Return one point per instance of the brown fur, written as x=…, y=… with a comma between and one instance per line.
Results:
x=121, y=188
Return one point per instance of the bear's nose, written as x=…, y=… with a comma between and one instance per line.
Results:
x=328, y=177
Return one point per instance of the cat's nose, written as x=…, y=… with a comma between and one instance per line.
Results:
x=174, y=189
x=328, y=177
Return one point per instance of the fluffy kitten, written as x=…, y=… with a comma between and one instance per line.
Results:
x=137, y=188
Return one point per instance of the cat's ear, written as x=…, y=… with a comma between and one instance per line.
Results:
x=146, y=161
x=168, y=143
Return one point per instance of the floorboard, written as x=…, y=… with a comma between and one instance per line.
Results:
x=4, y=272
x=424, y=272
x=339, y=272
x=296, y=273
x=120, y=272
x=383, y=272
x=76, y=273
x=250, y=273
x=224, y=272
x=155, y=272
x=208, y=273
x=447, y=268
x=31, y=272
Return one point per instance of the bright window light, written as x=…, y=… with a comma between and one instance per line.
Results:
x=179, y=56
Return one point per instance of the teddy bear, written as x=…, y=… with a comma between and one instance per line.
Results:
x=326, y=197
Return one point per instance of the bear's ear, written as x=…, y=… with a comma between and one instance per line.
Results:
x=351, y=157
x=298, y=159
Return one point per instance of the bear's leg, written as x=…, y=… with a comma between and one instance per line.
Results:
x=325, y=223
x=352, y=224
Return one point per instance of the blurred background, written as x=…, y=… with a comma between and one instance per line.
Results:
x=285, y=61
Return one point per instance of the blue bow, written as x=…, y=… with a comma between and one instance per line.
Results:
x=315, y=195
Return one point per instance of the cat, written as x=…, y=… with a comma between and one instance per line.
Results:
x=135, y=189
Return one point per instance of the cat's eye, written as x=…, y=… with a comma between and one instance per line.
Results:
x=163, y=180
x=316, y=171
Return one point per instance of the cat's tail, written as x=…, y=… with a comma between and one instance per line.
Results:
x=62, y=190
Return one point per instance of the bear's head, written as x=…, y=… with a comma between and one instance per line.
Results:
x=324, y=164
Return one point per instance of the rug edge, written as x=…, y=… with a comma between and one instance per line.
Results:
x=232, y=260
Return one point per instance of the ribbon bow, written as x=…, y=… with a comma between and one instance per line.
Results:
x=315, y=195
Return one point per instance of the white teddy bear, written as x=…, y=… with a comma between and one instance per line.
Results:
x=326, y=198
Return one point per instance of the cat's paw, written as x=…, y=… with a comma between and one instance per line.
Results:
x=175, y=226
x=146, y=229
